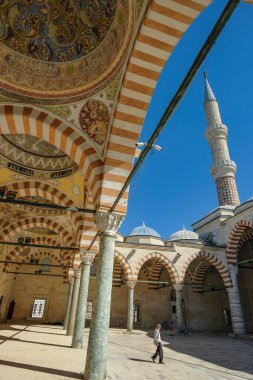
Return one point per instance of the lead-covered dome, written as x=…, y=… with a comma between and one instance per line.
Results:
x=183, y=235
x=144, y=231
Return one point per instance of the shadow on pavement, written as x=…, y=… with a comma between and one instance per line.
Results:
x=53, y=371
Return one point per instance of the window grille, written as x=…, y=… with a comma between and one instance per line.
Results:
x=38, y=308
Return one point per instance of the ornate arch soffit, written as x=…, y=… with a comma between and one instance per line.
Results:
x=40, y=222
x=234, y=239
x=71, y=69
x=166, y=263
x=17, y=119
x=162, y=28
x=212, y=260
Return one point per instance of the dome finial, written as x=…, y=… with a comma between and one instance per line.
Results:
x=143, y=224
x=208, y=94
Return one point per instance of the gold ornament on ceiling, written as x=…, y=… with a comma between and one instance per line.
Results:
x=94, y=119
x=30, y=156
x=52, y=51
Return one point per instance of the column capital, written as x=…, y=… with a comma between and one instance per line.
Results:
x=108, y=222
x=77, y=273
x=131, y=284
x=87, y=257
x=178, y=287
x=71, y=280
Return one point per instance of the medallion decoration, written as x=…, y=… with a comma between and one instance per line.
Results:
x=55, y=52
x=94, y=119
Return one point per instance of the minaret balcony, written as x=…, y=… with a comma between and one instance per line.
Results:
x=225, y=168
x=216, y=131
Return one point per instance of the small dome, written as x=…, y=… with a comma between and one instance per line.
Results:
x=144, y=231
x=183, y=235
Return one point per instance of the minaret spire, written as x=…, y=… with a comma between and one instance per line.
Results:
x=223, y=169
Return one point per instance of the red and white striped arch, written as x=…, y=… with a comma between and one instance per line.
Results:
x=162, y=28
x=165, y=262
x=39, y=254
x=33, y=222
x=212, y=260
x=29, y=120
x=35, y=188
x=234, y=238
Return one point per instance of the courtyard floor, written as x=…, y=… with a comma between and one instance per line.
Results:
x=42, y=352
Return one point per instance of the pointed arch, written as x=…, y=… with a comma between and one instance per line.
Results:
x=125, y=265
x=161, y=30
x=212, y=260
x=234, y=240
x=165, y=262
x=35, y=188
x=41, y=222
x=32, y=121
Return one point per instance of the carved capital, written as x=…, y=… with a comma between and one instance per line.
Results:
x=108, y=223
x=131, y=284
x=87, y=257
x=71, y=281
x=77, y=273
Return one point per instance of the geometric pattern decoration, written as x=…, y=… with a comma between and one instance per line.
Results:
x=227, y=191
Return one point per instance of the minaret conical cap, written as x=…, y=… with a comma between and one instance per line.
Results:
x=208, y=94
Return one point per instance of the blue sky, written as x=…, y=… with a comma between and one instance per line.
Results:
x=174, y=187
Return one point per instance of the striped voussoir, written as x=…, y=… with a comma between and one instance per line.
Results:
x=117, y=274
x=161, y=30
x=124, y=264
x=164, y=261
x=156, y=272
x=246, y=236
x=41, y=254
x=234, y=240
x=199, y=275
x=27, y=120
x=33, y=188
x=47, y=191
x=212, y=260
x=14, y=254
x=36, y=222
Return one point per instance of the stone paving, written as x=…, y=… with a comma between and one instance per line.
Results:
x=42, y=352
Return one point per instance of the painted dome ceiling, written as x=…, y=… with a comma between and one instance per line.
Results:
x=54, y=48
x=31, y=156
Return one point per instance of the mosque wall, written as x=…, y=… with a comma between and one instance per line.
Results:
x=28, y=288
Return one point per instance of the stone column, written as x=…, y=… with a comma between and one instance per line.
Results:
x=179, y=302
x=96, y=360
x=71, y=283
x=235, y=303
x=72, y=313
x=87, y=258
x=130, y=305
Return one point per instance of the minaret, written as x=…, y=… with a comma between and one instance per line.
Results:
x=223, y=169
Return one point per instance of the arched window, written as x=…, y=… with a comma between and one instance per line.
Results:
x=46, y=265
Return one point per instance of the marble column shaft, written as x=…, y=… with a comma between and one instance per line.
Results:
x=235, y=303
x=130, y=305
x=72, y=313
x=77, y=341
x=179, y=304
x=71, y=284
x=96, y=360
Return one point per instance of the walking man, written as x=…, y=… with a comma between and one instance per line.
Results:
x=158, y=344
